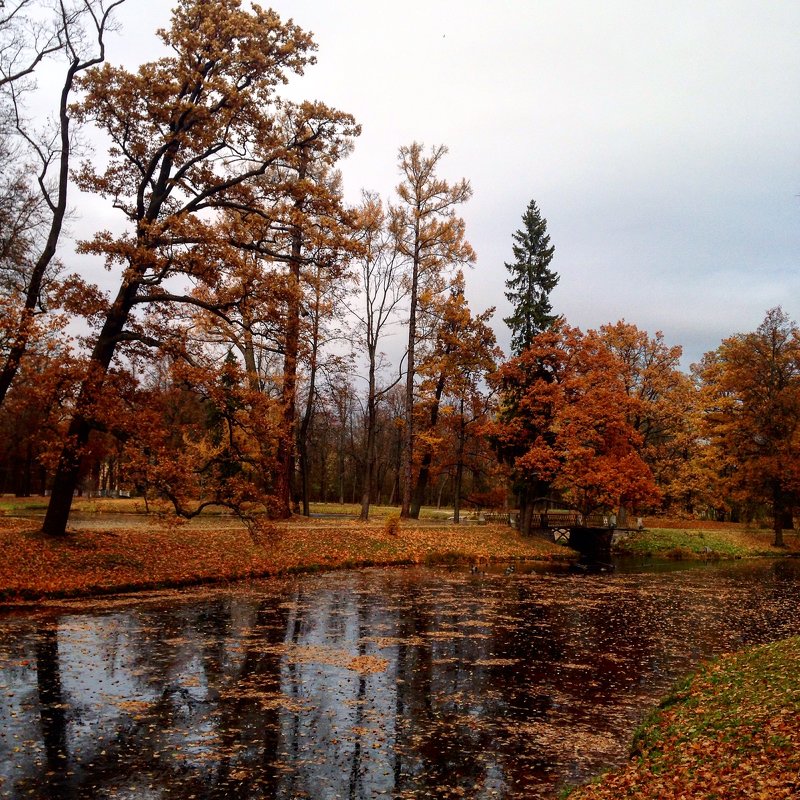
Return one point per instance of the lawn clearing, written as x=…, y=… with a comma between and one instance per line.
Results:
x=728, y=541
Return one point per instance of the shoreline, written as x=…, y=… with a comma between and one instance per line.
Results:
x=730, y=729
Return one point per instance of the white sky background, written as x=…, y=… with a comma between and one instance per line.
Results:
x=660, y=140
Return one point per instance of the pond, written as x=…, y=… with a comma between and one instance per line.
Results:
x=400, y=683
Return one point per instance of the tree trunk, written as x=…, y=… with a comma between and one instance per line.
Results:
x=408, y=451
x=427, y=457
x=340, y=455
x=418, y=497
x=442, y=484
x=369, y=455
x=778, y=511
x=286, y=446
x=67, y=474
x=305, y=424
x=459, y=466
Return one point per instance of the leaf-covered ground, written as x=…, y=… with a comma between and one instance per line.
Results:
x=99, y=561
x=732, y=732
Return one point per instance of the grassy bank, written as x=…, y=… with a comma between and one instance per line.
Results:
x=731, y=731
x=723, y=541
x=88, y=562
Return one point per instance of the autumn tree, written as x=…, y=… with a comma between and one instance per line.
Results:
x=531, y=280
x=203, y=437
x=75, y=33
x=563, y=426
x=283, y=292
x=751, y=404
x=460, y=352
x=662, y=405
x=319, y=236
x=192, y=133
x=430, y=237
x=33, y=416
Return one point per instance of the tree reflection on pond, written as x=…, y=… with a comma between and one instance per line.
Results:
x=376, y=683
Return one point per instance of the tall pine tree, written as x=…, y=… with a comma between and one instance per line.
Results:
x=531, y=280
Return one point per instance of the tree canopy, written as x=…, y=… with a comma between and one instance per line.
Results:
x=751, y=416
x=563, y=425
x=240, y=358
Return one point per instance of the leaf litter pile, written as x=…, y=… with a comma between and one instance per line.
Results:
x=405, y=683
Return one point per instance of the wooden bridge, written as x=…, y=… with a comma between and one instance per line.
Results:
x=590, y=534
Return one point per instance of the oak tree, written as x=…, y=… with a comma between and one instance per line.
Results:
x=192, y=133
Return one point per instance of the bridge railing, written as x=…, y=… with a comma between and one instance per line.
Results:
x=572, y=519
x=560, y=519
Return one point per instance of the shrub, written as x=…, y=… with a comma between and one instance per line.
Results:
x=391, y=525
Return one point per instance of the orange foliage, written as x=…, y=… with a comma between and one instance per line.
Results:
x=564, y=422
x=662, y=410
x=751, y=416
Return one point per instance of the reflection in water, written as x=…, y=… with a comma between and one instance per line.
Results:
x=367, y=684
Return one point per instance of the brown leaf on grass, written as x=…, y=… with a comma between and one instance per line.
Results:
x=89, y=562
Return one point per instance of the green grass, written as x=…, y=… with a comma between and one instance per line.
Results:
x=377, y=512
x=694, y=544
x=10, y=505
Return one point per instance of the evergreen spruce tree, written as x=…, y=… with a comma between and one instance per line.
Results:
x=531, y=280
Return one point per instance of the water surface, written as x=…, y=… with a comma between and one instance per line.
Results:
x=399, y=683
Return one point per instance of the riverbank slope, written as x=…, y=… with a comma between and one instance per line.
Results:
x=104, y=560
x=731, y=731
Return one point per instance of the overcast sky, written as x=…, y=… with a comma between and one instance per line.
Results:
x=660, y=140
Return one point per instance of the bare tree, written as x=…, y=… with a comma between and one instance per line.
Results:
x=25, y=41
x=77, y=34
x=381, y=292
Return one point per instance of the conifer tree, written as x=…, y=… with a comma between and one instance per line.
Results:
x=531, y=280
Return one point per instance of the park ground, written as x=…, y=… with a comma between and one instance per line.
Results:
x=132, y=552
x=118, y=548
x=732, y=731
